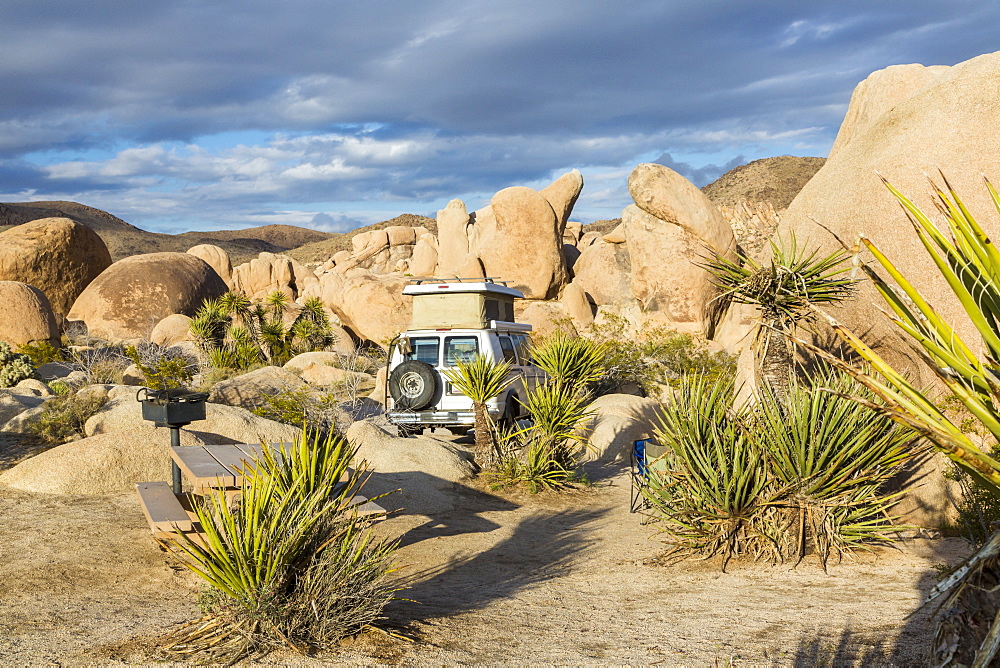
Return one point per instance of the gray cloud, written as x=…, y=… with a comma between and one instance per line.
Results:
x=406, y=103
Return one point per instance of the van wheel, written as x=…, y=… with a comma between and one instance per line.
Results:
x=414, y=385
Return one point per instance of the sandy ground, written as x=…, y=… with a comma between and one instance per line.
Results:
x=518, y=579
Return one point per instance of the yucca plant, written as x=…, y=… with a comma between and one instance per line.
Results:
x=482, y=379
x=783, y=292
x=291, y=536
x=551, y=443
x=711, y=491
x=571, y=360
x=830, y=457
x=969, y=631
x=778, y=478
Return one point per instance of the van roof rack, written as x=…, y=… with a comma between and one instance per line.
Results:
x=488, y=279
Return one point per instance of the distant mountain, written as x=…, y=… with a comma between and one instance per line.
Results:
x=775, y=180
x=124, y=239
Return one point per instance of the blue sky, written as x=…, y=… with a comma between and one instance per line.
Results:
x=190, y=114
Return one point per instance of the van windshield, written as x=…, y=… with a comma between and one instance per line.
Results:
x=425, y=349
x=460, y=349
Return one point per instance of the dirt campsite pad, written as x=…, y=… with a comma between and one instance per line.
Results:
x=546, y=579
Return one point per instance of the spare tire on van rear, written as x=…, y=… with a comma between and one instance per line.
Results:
x=414, y=385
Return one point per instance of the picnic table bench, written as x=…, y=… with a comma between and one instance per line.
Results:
x=209, y=468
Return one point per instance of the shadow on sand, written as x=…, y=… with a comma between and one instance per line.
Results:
x=541, y=547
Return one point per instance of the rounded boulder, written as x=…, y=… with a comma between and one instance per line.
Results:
x=132, y=295
x=28, y=315
x=56, y=255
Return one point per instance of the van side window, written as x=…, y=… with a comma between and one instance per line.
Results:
x=521, y=343
x=508, y=350
x=460, y=349
x=425, y=349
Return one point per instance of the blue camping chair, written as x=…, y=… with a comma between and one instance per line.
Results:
x=647, y=458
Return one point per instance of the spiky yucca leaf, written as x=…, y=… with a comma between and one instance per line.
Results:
x=784, y=289
x=571, y=359
x=970, y=265
x=711, y=490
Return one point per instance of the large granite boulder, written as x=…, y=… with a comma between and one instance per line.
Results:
x=519, y=219
x=453, y=239
x=619, y=420
x=132, y=295
x=121, y=449
x=27, y=315
x=269, y=273
x=496, y=236
x=904, y=122
x=669, y=230
x=56, y=255
x=217, y=259
x=603, y=272
x=104, y=464
x=251, y=389
x=373, y=307
x=172, y=330
x=424, y=470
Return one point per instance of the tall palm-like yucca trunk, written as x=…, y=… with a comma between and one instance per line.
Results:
x=774, y=358
x=486, y=444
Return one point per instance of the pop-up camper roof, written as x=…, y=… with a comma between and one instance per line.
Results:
x=460, y=303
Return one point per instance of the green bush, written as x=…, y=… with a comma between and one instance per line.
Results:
x=545, y=454
x=14, y=367
x=160, y=369
x=660, y=356
x=571, y=360
x=235, y=333
x=42, y=352
x=302, y=407
x=779, y=480
x=63, y=417
x=292, y=564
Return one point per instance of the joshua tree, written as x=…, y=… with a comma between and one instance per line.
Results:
x=236, y=333
x=782, y=292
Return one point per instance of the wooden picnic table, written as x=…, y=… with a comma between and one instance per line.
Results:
x=218, y=466
x=211, y=467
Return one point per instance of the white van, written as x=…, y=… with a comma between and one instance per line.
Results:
x=455, y=320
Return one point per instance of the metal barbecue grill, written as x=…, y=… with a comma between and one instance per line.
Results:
x=172, y=408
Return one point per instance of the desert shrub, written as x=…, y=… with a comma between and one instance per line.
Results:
x=63, y=417
x=291, y=564
x=160, y=367
x=14, y=367
x=319, y=412
x=100, y=364
x=779, y=479
x=570, y=360
x=660, y=356
x=42, y=352
x=235, y=333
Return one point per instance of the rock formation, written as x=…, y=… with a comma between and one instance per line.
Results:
x=905, y=122
x=217, y=259
x=56, y=255
x=497, y=235
x=27, y=315
x=669, y=230
x=131, y=296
